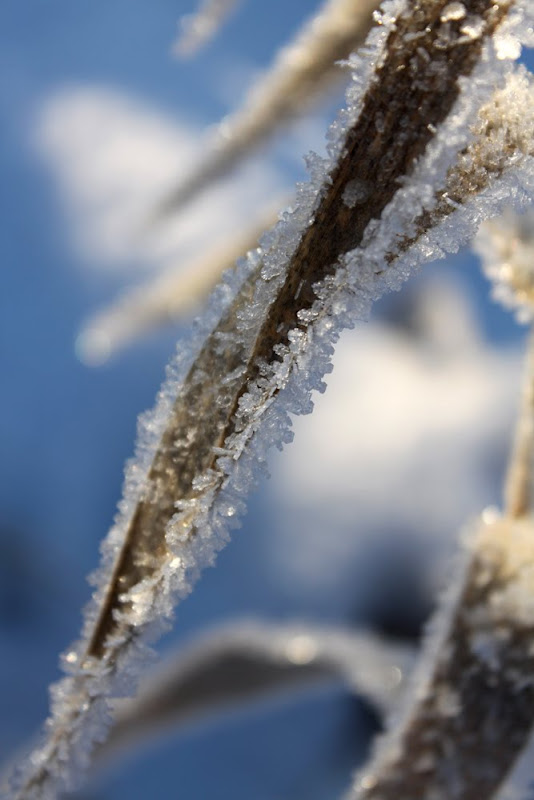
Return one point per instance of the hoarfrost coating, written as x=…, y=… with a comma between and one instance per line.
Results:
x=163, y=536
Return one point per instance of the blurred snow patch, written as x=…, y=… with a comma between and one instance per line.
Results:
x=114, y=158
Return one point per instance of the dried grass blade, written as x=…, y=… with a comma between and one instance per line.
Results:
x=249, y=661
x=474, y=687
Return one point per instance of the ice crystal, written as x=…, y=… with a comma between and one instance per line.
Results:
x=453, y=11
x=356, y=192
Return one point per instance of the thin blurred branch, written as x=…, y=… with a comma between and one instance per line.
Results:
x=519, y=483
x=506, y=247
x=302, y=72
x=246, y=662
x=198, y=28
x=173, y=296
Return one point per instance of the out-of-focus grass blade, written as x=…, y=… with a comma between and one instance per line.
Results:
x=302, y=73
x=168, y=298
x=245, y=662
x=198, y=28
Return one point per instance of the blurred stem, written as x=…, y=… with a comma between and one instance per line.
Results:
x=518, y=484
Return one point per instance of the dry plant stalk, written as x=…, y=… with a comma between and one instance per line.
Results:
x=248, y=661
x=325, y=262
x=472, y=706
x=518, y=500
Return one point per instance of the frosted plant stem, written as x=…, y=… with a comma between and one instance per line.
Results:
x=318, y=271
x=473, y=710
x=518, y=487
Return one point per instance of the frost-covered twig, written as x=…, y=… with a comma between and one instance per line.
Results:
x=350, y=237
x=472, y=703
x=302, y=72
x=245, y=662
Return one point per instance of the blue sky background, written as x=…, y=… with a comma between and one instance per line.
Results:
x=66, y=429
